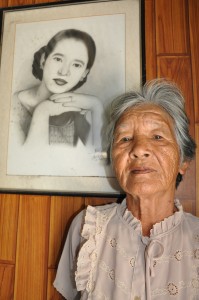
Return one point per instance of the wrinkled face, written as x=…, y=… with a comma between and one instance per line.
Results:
x=65, y=66
x=145, y=153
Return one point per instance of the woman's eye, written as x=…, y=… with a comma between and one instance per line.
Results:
x=76, y=65
x=157, y=137
x=126, y=139
x=58, y=59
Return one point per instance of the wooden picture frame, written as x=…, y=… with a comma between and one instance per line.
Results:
x=115, y=27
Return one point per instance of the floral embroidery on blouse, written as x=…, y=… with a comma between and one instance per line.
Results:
x=114, y=249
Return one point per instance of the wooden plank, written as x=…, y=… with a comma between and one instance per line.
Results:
x=6, y=281
x=52, y=292
x=9, y=205
x=171, y=27
x=20, y=2
x=32, y=248
x=197, y=170
x=189, y=205
x=47, y=1
x=3, y=3
x=194, y=43
x=178, y=69
x=150, y=44
x=63, y=210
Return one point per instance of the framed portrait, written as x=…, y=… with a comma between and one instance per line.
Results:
x=61, y=66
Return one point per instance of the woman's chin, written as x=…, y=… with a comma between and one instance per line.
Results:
x=59, y=89
x=142, y=189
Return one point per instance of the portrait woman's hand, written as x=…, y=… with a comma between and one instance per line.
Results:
x=49, y=108
x=81, y=101
x=84, y=103
x=39, y=128
x=58, y=104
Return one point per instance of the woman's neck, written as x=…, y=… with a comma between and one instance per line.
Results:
x=150, y=211
x=32, y=97
x=42, y=92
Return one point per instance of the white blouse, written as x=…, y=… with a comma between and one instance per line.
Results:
x=116, y=262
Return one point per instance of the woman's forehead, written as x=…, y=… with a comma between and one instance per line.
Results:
x=73, y=47
x=147, y=113
x=70, y=40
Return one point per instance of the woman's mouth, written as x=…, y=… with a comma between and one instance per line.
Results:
x=60, y=82
x=142, y=170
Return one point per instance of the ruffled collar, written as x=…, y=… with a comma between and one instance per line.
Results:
x=159, y=228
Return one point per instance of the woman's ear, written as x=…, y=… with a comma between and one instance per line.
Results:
x=42, y=61
x=84, y=74
x=183, y=167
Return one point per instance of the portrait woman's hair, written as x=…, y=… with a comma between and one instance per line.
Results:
x=79, y=35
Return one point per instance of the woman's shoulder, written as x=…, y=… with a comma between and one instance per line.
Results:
x=78, y=220
x=27, y=98
x=96, y=218
x=102, y=210
x=90, y=214
x=22, y=95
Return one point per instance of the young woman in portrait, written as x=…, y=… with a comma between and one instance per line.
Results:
x=52, y=112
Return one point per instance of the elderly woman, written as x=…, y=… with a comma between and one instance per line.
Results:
x=147, y=247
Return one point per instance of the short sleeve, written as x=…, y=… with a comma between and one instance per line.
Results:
x=65, y=277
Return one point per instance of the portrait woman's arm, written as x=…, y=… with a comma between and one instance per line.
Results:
x=19, y=122
x=58, y=104
x=85, y=103
x=38, y=134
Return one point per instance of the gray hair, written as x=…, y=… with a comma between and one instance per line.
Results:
x=166, y=95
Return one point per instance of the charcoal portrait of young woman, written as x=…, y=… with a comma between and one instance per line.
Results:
x=65, y=73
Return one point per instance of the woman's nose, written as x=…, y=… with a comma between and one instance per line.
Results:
x=64, y=69
x=140, y=149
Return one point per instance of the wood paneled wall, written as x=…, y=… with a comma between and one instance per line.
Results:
x=33, y=227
